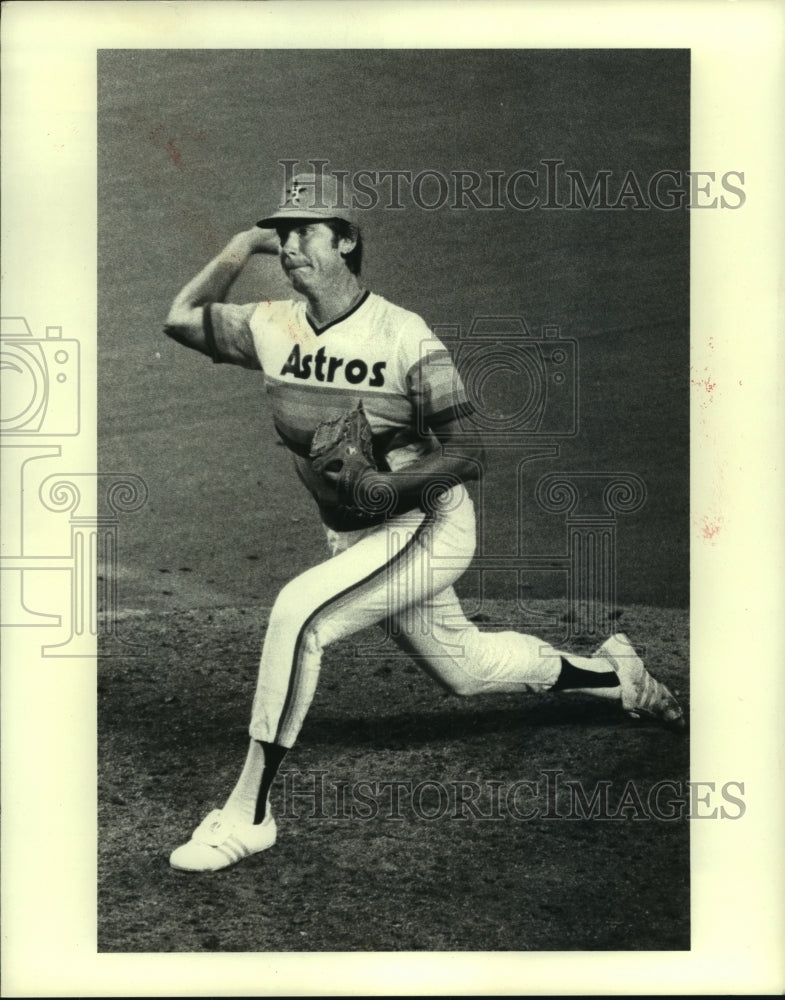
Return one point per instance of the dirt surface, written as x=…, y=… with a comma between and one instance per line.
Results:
x=354, y=870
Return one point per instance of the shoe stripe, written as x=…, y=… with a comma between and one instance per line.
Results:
x=650, y=694
x=233, y=849
x=239, y=846
x=227, y=854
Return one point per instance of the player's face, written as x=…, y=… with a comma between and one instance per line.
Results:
x=311, y=255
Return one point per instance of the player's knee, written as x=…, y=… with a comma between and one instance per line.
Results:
x=290, y=617
x=288, y=611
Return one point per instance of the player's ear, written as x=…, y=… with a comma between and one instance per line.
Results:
x=348, y=242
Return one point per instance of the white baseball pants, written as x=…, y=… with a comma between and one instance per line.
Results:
x=401, y=571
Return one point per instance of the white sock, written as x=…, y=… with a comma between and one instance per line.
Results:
x=241, y=804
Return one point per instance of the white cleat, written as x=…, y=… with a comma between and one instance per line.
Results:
x=641, y=694
x=219, y=842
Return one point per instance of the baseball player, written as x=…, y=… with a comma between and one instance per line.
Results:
x=398, y=519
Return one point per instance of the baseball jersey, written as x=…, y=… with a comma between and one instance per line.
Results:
x=376, y=351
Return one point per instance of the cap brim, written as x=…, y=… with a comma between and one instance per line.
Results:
x=271, y=221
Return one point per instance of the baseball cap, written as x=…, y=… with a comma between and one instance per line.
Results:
x=314, y=197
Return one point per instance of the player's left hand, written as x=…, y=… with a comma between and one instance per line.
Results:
x=342, y=454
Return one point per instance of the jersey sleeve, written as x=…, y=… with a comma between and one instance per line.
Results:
x=433, y=383
x=227, y=332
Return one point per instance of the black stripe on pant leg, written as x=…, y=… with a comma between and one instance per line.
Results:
x=296, y=659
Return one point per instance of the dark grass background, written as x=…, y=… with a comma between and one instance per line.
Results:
x=189, y=144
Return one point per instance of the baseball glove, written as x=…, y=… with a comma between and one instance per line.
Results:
x=341, y=453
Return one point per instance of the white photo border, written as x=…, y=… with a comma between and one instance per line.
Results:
x=49, y=264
